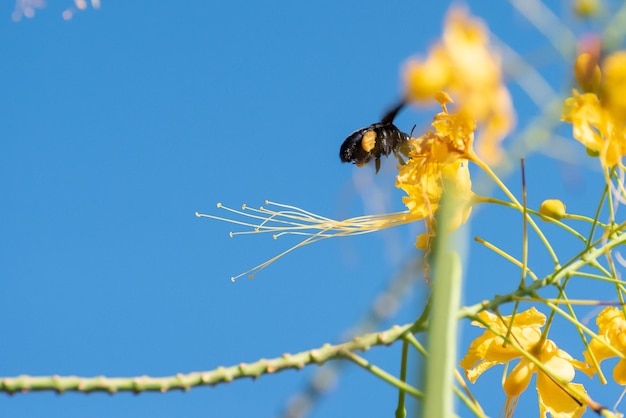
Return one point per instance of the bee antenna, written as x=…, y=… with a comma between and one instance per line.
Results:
x=412, y=129
x=391, y=114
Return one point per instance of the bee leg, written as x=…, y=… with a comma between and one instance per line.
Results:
x=377, y=164
x=399, y=157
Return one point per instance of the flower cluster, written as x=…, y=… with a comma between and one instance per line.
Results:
x=520, y=338
x=464, y=65
x=438, y=158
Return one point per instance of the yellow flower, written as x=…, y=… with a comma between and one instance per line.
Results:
x=525, y=332
x=598, y=117
x=553, y=397
x=595, y=127
x=489, y=349
x=611, y=332
x=614, y=84
x=463, y=64
x=436, y=157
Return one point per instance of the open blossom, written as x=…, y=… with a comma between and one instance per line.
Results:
x=464, y=65
x=438, y=157
x=490, y=349
x=598, y=117
x=611, y=333
x=553, y=397
x=596, y=127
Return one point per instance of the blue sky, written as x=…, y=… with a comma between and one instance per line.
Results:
x=121, y=123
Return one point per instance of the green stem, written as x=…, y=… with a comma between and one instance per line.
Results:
x=446, y=299
x=401, y=409
x=378, y=372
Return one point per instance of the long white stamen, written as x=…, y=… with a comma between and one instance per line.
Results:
x=295, y=221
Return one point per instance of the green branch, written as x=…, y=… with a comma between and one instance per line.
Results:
x=61, y=384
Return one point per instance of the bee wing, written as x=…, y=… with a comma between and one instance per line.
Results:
x=391, y=115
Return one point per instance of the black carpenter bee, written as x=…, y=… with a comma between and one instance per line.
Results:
x=375, y=141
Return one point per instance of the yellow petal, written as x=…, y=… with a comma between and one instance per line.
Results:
x=517, y=381
x=614, y=84
x=530, y=318
x=619, y=372
x=424, y=78
x=473, y=374
x=611, y=153
x=556, y=400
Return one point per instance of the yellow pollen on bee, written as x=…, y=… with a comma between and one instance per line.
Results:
x=369, y=141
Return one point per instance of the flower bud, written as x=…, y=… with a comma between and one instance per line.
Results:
x=587, y=72
x=552, y=208
x=586, y=8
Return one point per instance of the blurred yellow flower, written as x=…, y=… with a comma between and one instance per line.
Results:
x=587, y=8
x=611, y=332
x=598, y=118
x=525, y=331
x=595, y=127
x=613, y=87
x=464, y=65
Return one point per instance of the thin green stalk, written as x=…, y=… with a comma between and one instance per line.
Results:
x=483, y=199
x=401, y=409
x=504, y=255
x=487, y=169
x=382, y=374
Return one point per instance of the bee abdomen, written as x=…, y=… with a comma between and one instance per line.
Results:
x=388, y=139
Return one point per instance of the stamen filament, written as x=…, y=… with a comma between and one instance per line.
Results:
x=296, y=221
